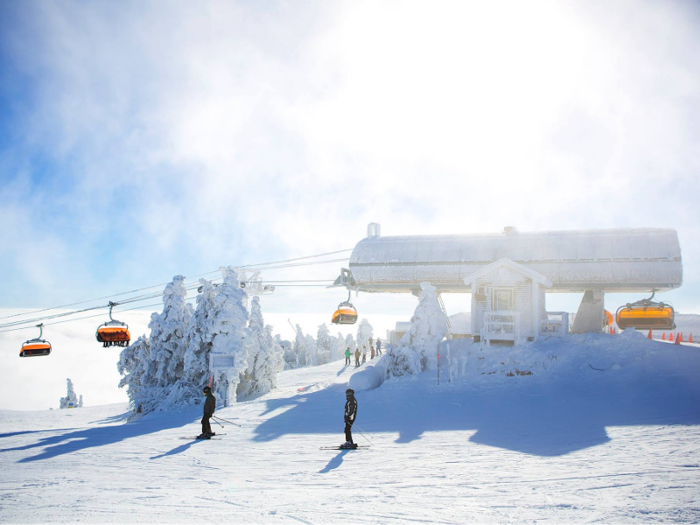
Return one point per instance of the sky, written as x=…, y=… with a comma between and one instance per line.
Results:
x=140, y=140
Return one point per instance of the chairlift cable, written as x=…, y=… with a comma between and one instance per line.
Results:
x=191, y=277
x=16, y=325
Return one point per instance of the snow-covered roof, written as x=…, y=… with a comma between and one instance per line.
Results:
x=622, y=260
x=507, y=263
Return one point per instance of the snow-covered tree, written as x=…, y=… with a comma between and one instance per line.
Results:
x=168, y=329
x=199, y=340
x=288, y=355
x=418, y=348
x=337, y=347
x=71, y=399
x=310, y=347
x=230, y=334
x=133, y=361
x=350, y=343
x=263, y=356
x=323, y=345
x=154, y=366
x=364, y=334
x=304, y=348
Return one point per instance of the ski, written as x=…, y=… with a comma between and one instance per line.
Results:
x=344, y=448
x=195, y=438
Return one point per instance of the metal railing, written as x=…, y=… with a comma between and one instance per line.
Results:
x=500, y=325
x=556, y=324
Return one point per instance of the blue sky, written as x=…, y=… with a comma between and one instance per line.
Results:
x=139, y=140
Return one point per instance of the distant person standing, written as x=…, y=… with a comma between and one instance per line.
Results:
x=347, y=356
x=209, y=408
x=364, y=355
x=371, y=351
x=357, y=357
x=379, y=346
x=350, y=415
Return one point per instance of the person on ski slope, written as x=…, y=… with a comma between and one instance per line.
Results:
x=347, y=356
x=357, y=357
x=371, y=351
x=379, y=346
x=209, y=408
x=364, y=355
x=350, y=415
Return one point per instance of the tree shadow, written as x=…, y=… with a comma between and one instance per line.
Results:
x=83, y=439
x=112, y=419
x=21, y=432
x=544, y=418
x=334, y=463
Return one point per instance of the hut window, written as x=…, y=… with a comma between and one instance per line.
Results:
x=503, y=299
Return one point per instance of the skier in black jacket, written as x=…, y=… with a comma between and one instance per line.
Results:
x=209, y=408
x=350, y=414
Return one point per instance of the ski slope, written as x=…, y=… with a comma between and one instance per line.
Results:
x=570, y=445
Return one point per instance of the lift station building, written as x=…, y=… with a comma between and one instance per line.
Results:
x=508, y=274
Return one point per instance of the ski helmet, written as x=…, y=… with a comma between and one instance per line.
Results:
x=207, y=389
x=350, y=391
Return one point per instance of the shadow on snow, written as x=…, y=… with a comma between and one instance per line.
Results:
x=334, y=463
x=532, y=416
x=87, y=438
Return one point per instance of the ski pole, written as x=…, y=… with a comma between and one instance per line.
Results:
x=225, y=421
x=363, y=434
x=215, y=421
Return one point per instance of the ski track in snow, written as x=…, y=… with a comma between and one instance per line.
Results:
x=447, y=455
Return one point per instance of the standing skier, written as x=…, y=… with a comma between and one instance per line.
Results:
x=209, y=407
x=379, y=346
x=350, y=414
x=347, y=356
x=357, y=357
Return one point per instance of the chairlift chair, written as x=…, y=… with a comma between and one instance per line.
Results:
x=113, y=332
x=36, y=347
x=345, y=314
x=646, y=314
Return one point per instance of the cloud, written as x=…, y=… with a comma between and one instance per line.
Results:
x=223, y=132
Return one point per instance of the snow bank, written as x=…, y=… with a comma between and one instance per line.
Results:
x=570, y=359
x=371, y=377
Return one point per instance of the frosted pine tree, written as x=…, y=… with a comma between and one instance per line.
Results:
x=71, y=399
x=310, y=349
x=337, y=347
x=168, y=329
x=299, y=348
x=133, y=362
x=418, y=348
x=350, y=343
x=364, y=334
x=289, y=357
x=199, y=342
x=155, y=365
x=277, y=352
x=229, y=335
x=324, y=345
x=263, y=356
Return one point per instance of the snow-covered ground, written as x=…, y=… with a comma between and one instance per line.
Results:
x=599, y=432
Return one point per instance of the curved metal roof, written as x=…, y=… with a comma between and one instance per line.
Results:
x=620, y=260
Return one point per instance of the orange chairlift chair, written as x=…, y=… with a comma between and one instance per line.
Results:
x=36, y=347
x=113, y=333
x=345, y=314
x=646, y=314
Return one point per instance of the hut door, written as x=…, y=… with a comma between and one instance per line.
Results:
x=503, y=299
